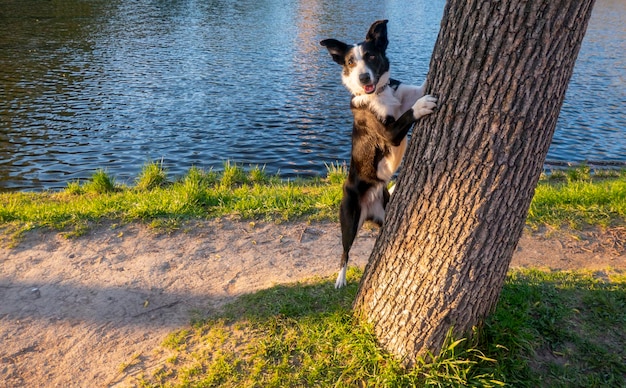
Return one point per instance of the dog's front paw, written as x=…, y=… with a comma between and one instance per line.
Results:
x=424, y=106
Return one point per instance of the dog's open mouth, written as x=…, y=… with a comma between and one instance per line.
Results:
x=369, y=89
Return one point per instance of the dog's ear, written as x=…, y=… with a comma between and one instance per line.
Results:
x=378, y=34
x=337, y=50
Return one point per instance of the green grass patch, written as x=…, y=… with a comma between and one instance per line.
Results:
x=204, y=194
x=560, y=329
x=152, y=175
x=337, y=172
x=576, y=200
x=549, y=329
x=101, y=183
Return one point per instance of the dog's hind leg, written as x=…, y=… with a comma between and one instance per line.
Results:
x=350, y=219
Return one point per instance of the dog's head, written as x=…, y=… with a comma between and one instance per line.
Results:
x=365, y=66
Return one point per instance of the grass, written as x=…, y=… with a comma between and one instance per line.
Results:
x=152, y=176
x=574, y=198
x=562, y=329
x=154, y=199
x=565, y=329
x=579, y=201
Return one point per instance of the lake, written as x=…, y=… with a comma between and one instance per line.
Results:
x=115, y=84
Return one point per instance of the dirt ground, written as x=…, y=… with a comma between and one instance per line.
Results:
x=72, y=312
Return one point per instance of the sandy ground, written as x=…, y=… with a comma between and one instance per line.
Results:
x=73, y=311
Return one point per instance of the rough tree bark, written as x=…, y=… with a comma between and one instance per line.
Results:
x=500, y=69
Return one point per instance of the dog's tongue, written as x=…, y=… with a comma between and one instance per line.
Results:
x=369, y=88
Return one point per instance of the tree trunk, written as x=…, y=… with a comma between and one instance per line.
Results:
x=500, y=69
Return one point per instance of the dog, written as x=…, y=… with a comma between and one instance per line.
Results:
x=384, y=111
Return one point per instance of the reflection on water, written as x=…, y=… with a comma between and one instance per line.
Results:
x=592, y=124
x=114, y=84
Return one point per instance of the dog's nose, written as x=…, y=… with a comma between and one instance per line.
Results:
x=365, y=78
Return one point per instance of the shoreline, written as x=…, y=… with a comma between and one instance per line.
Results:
x=549, y=167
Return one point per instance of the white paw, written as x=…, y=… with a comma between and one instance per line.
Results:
x=341, y=278
x=424, y=106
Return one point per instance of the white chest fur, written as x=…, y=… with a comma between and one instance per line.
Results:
x=382, y=105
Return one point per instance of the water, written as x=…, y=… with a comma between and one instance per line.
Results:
x=115, y=84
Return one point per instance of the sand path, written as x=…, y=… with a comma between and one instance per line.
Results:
x=73, y=311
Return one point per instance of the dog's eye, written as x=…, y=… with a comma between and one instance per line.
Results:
x=351, y=62
x=371, y=57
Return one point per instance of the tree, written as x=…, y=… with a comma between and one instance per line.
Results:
x=500, y=69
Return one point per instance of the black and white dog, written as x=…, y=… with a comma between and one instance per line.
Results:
x=384, y=111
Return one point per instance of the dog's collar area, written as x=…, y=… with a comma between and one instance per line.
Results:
x=391, y=83
x=382, y=88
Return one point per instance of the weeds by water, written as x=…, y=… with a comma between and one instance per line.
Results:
x=152, y=176
x=575, y=200
x=580, y=199
x=251, y=194
x=101, y=183
x=565, y=329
